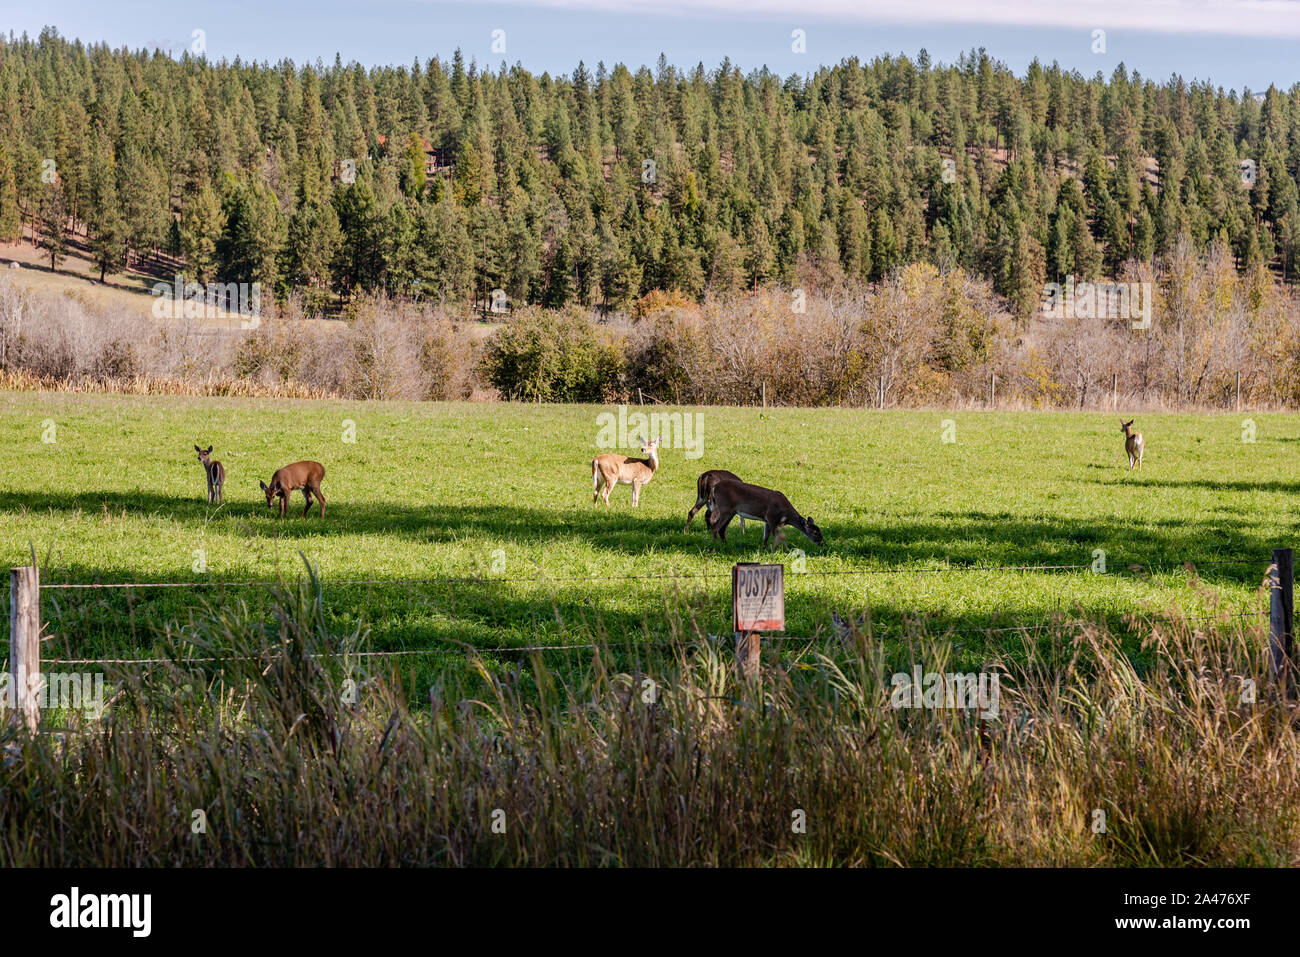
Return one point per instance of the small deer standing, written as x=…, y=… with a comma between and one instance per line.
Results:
x=1133, y=444
x=216, y=473
x=300, y=475
x=612, y=468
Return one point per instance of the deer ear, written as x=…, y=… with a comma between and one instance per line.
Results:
x=264, y=488
x=209, y=450
x=197, y=449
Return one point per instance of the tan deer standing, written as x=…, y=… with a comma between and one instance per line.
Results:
x=216, y=473
x=300, y=475
x=612, y=468
x=1133, y=444
x=758, y=504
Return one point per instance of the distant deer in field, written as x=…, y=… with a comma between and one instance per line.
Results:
x=300, y=475
x=216, y=473
x=1133, y=444
x=757, y=504
x=704, y=489
x=612, y=468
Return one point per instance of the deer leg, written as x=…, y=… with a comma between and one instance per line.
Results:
x=636, y=494
x=306, y=494
x=320, y=500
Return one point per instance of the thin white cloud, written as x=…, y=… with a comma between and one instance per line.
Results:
x=1265, y=18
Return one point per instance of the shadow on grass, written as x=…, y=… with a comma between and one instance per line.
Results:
x=965, y=537
x=488, y=614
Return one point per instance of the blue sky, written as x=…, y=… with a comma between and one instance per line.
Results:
x=1233, y=43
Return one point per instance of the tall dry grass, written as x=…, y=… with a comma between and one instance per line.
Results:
x=585, y=763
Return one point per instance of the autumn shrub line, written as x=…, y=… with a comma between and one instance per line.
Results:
x=921, y=337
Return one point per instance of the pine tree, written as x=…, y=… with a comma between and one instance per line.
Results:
x=106, y=227
x=53, y=217
x=11, y=222
x=201, y=226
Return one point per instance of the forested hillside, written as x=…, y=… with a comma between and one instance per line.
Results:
x=445, y=181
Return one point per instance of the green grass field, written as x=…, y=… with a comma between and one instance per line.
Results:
x=499, y=491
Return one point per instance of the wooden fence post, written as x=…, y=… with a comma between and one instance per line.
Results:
x=1281, y=576
x=1114, y=390
x=747, y=661
x=1238, y=390
x=25, y=641
x=993, y=388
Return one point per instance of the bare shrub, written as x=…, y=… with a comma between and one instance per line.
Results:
x=401, y=350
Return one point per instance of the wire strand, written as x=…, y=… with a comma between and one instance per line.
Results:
x=1032, y=626
x=667, y=576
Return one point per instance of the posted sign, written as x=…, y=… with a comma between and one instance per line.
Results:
x=758, y=597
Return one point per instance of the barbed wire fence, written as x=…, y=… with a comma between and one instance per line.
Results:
x=26, y=623
x=947, y=567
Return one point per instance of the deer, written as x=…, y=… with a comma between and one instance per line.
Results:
x=216, y=473
x=704, y=489
x=1133, y=444
x=300, y=475
x=758, y=504
x=611, y=468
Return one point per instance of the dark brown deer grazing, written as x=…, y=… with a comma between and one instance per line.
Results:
x=1133, y=444
x=704, y=489
x=758, y=504
x=300, y=475
x=216, y=473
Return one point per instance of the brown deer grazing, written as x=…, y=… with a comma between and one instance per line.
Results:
x=757, y=504
x=703, y=489
x=300, y=475
x=612, y=468
x=1133, y=444
x=216, y=473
